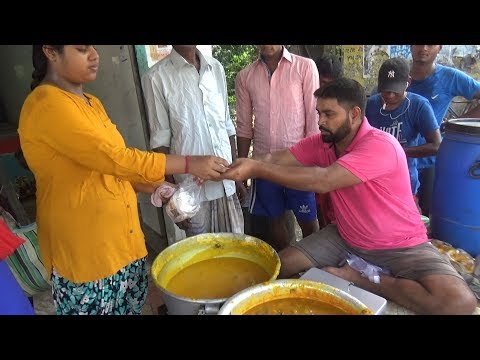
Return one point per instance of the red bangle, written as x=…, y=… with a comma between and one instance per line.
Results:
x=187, y=160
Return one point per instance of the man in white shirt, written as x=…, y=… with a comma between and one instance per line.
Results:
x=188, y=113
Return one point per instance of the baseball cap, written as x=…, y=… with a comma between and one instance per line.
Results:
x=393, y=75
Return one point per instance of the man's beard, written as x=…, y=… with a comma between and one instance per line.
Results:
x=330, y=137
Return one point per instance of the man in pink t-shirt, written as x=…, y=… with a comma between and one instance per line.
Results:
x=365, y=171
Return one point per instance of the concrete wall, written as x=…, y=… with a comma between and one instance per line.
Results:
x=15, y=77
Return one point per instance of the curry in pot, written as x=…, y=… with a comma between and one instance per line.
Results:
x=216, y=278
x=295, y=306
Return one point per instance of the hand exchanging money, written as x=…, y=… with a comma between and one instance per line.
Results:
x=208, y=167
x=241, y=169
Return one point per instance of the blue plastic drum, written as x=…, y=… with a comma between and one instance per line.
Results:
x=455, y=211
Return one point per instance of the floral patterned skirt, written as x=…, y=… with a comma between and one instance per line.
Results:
x=123, y=293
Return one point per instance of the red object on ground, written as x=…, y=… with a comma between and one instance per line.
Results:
x=8, y=241
x=9, y=145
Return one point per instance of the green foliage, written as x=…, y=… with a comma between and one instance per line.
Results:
x=234, y=58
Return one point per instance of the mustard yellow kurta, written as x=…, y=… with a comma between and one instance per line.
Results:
x=87, y=216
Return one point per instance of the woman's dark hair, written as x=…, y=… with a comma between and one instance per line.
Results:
x=40, y=63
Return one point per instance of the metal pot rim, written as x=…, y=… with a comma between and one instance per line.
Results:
x=247, y=293
x=209, y=236
x=199, y=301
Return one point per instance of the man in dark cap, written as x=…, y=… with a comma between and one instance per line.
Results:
x=404, y=115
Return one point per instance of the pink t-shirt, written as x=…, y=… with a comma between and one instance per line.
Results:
x=380, y=212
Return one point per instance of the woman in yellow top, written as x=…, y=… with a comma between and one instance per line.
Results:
x=88, y=224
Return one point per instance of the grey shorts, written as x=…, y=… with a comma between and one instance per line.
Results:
x=327, y=248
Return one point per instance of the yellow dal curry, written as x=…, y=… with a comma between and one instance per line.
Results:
x=216, y=278
x=295, y=306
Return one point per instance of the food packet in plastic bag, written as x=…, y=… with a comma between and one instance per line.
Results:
x=185, y=202
x=162, y=194
x=369, y=271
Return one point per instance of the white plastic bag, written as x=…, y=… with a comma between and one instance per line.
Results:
x=185, y=202
x=369, y=271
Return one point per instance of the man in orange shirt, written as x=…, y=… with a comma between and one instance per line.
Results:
x=88, y=225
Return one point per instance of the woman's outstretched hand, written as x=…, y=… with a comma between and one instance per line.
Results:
x=208, y=167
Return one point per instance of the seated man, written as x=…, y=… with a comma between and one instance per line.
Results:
x=365, y=171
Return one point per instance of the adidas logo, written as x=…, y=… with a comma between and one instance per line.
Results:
x=304, y=209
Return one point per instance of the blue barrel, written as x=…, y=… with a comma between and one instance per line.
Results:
x=13, y=301
x=455, y=211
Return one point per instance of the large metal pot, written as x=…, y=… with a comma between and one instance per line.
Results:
x=246, y=299
x=202, y=247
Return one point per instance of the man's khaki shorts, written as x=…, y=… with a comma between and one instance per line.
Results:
x=327, y=248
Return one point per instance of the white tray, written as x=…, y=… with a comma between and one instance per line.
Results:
x=376, y=303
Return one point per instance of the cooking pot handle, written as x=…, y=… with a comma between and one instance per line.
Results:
x=208, y=309
x=475, y=170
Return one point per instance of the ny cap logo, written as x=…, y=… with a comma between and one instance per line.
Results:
x=391, y=74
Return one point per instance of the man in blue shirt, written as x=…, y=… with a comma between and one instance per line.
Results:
x=404, y=115
x=439, y=84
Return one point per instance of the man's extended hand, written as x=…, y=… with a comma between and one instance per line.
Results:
x=241, y=169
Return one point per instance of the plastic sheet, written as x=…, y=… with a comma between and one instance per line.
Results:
x=185, y=202
x=369, y=271
x=162, y=194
